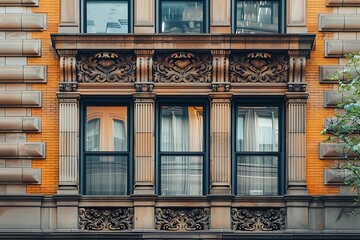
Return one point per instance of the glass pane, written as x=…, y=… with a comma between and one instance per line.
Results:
x=181, y=175
x=257, y=17
x=181, y=129
x=107, y=17
x=257, y=129
x=106, y=128
x=182, y=16
x=106, y=175
x=257, y=175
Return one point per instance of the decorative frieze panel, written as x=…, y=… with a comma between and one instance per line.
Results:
x=259, y=67
x=183, y=67
x=106, y=67
x=182, y=219
x=271, y=219
x=105, y=219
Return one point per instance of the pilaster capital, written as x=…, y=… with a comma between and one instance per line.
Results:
x=220, y=96
x=296, y=96
x=68, y=96
x=144, y=97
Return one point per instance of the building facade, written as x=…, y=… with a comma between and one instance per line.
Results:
x=161, y=119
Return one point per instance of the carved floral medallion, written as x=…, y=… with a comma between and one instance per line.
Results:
x=99, y=219
x=259, y=67
x=106, y=67
x=272, y=219
x=183, y=67
x=188, y=219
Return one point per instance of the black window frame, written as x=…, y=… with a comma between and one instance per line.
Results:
x=87, y=101
x=253, y=101
x=282, y=16
x=184, y=101
x=83, y=25
x=206, y=16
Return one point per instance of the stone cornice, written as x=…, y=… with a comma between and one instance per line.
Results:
x=267, y=42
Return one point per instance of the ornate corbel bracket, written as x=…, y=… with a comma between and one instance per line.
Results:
x=144, y=86
x=144, y=64
x=220, y=65
x=297, y=63
x=67, y=65
x=220, y=86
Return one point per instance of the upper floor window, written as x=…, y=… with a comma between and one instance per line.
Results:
x=258, y=148
x=110, y=16
x=256, y=16
x=182, y=156
x=106, y=149
x=182, y=16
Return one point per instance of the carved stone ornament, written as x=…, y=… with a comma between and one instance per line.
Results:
x=188, y=219
x=183, y=67
x=144, y=86
x=272, y=219
x=297, y=87
x=220, y=87
x=68, y=86
x=99, y=219
x=259, y=67
x=106, y=67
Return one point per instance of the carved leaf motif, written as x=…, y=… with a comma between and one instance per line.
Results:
x=258, y=220
x=106, y=67
x=259, y=67
x=182, y=219
x=106, y=219
x=182, y=67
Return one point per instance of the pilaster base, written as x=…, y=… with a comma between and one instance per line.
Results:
x=297, y=188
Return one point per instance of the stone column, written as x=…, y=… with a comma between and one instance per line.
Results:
x=68, y=125
x=144, y=115
x=296, y=124
x=220, y=129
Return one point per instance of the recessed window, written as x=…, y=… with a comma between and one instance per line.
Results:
x=257, y=16
x=107, y=16
x=106, y=150
x=182, y=16
x=258, y=153
x=181, y=150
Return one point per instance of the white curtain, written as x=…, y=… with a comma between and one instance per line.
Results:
x=257, y=132
x=181, y=131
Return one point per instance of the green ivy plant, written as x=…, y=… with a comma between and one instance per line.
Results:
x=345, y=127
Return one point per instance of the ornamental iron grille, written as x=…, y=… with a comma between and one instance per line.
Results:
x=183, y=67
x=106, y=67
x=182, y=219
x=259, y=67
x=270, y=219
x=105, y=219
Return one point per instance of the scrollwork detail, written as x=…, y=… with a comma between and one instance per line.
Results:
x=106, y=67
x=182, y=67
x=259, y=67
x=189, y=219
x=99, y=219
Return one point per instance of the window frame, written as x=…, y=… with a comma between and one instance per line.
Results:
x=253, y=101
x=184, y=101
x=206, y=16
x=83, y=14
x=87, y=101
x=282, y=17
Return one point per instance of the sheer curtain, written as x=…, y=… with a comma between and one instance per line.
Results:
x=257, y=132
x=181, y=132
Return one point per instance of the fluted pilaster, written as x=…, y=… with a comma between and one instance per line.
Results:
x=144, y=143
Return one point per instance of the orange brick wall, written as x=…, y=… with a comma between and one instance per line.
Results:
x=49, y=110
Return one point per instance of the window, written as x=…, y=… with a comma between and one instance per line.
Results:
x=182, y=145
x=106, y=149
x=258, y=154
x=110, y=16
x=187, y=16
x=259, y=16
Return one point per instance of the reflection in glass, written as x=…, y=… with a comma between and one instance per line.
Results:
x=181, y=175
x=257, y=16
x=107, y=17
x=182, y=16
x=106, y=175
x=257, y=175
x=106, y=128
